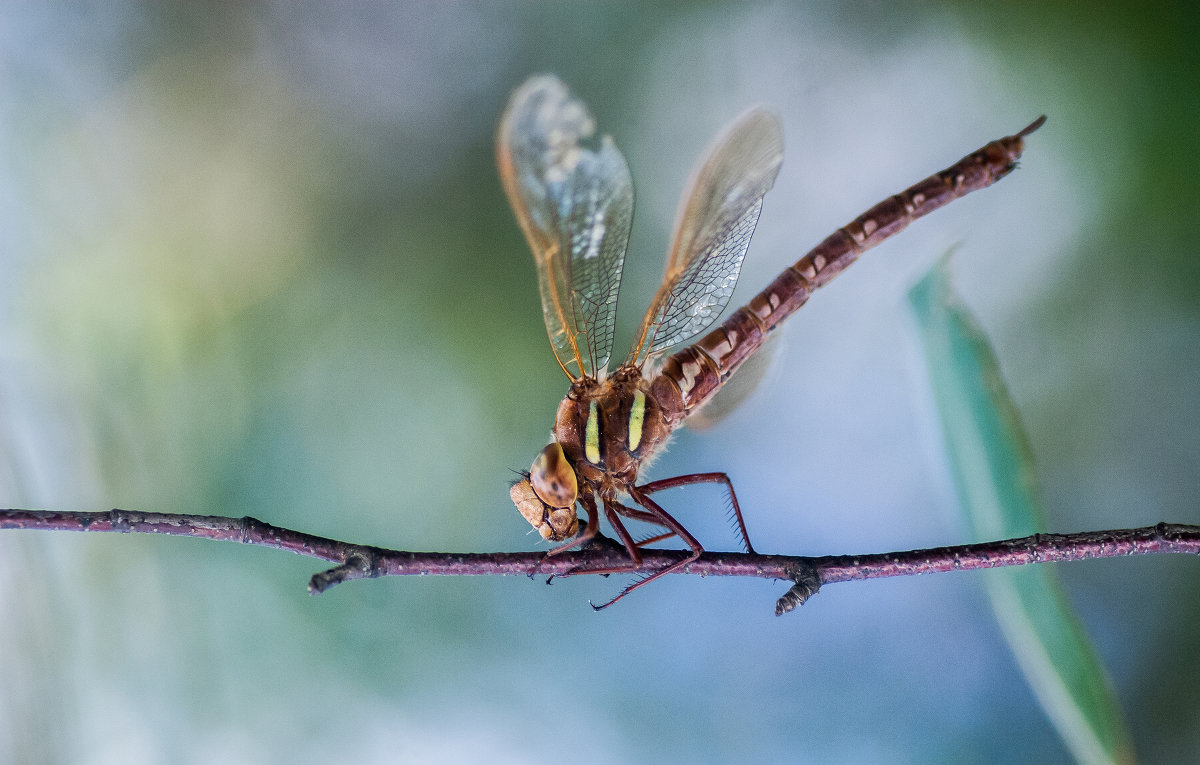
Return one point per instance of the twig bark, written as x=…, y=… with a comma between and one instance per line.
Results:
x=808, y=573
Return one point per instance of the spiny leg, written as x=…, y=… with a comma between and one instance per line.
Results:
x=655, y=538
x=662, y=518
x=687, y=480
x=669, y=483
x=644, y=517
x=635, y=555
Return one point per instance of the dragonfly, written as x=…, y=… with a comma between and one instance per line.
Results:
x=572, y=194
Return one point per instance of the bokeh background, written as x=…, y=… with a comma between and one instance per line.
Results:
x=255, y=259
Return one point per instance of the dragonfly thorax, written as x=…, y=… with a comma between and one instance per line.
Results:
x=605, y=431
x=607, y=428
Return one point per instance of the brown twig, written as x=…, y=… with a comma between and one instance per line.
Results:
x=808, y=573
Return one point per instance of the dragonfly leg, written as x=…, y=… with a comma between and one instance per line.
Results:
x=662, y=518
x=635, y=555
x=655, y=538
x=644, y=517
x=588, y=534
x=687, y=480
x=589, y=531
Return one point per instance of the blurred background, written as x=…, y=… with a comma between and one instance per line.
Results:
x=255, y=260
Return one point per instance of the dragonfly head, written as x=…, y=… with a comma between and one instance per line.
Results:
x=546, y=497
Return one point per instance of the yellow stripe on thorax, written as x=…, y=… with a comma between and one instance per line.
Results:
x=591, y=443
x=637, y=413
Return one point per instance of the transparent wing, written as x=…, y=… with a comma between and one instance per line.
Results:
x=713, y=230
x=575, y=205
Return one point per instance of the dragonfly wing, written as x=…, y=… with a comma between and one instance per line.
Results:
x=575, y=205
x=712, y=233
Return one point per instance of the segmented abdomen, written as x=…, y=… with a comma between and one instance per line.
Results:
x=690, y=377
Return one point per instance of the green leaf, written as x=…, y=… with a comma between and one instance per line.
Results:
x=992, y=466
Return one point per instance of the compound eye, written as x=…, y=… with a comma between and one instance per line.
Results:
x=553, y=478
